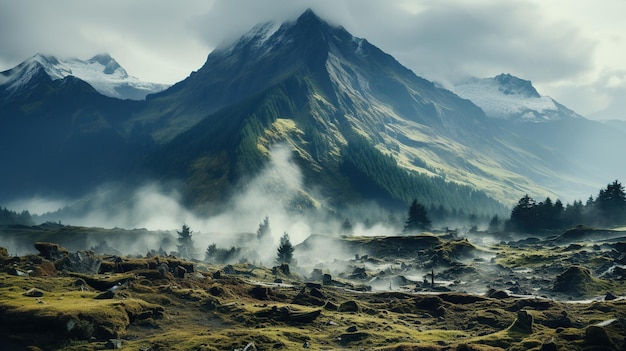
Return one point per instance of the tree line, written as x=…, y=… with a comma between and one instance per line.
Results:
x=607, y=209
x=8, y=217
x=213, y=254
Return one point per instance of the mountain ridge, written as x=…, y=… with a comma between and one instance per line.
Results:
x=355, y=119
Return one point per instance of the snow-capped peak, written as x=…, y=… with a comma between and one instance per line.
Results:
x=101, y=71
x=511, y=98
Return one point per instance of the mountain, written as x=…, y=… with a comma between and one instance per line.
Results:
x=519, y=108
x=360, y=127
x=616, y=123
x=60, y=137
x=345, y=108
x=101, y=71
x=512, y=98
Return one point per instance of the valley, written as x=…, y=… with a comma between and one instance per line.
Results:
x=557, y=291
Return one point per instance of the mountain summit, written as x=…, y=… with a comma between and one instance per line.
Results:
x=360, y=127
x=511, y=98
x=345, y=108
x=101, y=71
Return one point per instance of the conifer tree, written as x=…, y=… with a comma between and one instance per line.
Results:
x=285, y=250
x=185, y=243
x=418, y=218
x=612, y=203
x=264, y=230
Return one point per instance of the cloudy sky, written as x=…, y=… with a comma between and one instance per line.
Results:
x=572, y=50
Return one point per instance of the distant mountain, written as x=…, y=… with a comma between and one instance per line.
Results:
x=360, y=126
x=518, y=107
x=512, y=98
x=101, y=71
x=616, y=123
x=60, y=137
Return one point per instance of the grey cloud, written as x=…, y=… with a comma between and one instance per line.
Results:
x=440, y=40
x=452, y=38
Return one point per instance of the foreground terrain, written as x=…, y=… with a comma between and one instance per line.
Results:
x=423, y=292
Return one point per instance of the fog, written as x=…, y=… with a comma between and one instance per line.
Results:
x=276, y=193
x=148, y=218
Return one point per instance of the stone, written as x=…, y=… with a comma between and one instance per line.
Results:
x=609, y=296
x=51, y=251
x=349, y=306
x=597, y=335
x=34, y=292
x=113, y=344
x=549, y=346
x=523, y=322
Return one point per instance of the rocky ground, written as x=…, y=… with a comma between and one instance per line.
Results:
x=435, y=291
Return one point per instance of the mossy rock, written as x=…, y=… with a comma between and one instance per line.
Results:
x=51, y=251
x=4, y=254
x=523, y=323
x=347, y=338
x=577, y=280
x=349, y=306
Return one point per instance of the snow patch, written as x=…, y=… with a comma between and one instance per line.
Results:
x=491, y=98
x=101, y=71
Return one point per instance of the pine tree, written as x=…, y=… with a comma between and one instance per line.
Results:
x=612, y=203
x=418, y=218
x=185, y=243
x=285, y=250
x=495, y=224
x=264, y=230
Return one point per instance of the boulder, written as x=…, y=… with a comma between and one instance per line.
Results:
x=597, y=335
x=84, y=262
x=51, y=251
x=523, y=323
x=576, y=280
x=349, y=306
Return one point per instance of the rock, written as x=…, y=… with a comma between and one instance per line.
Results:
x=575, y=280
x=497, y=294
x=317, y=274
x=549, y=346
x=51, y=251
x=34, y=292
x=597, y=335
x=287, y=314
x=331, y=306
x=359, y=273
x=352, y=329
x=4, y=254
x=313, y=285
x=109, y=294
x=316, y=293
x=523, y=323
x=327, y=279
x=609, y=296
x=260, y=292
x=113, y=344
x=349, y=306
x=181, y=271
x=351, y=337
x=16, y=272
x=84, y=262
